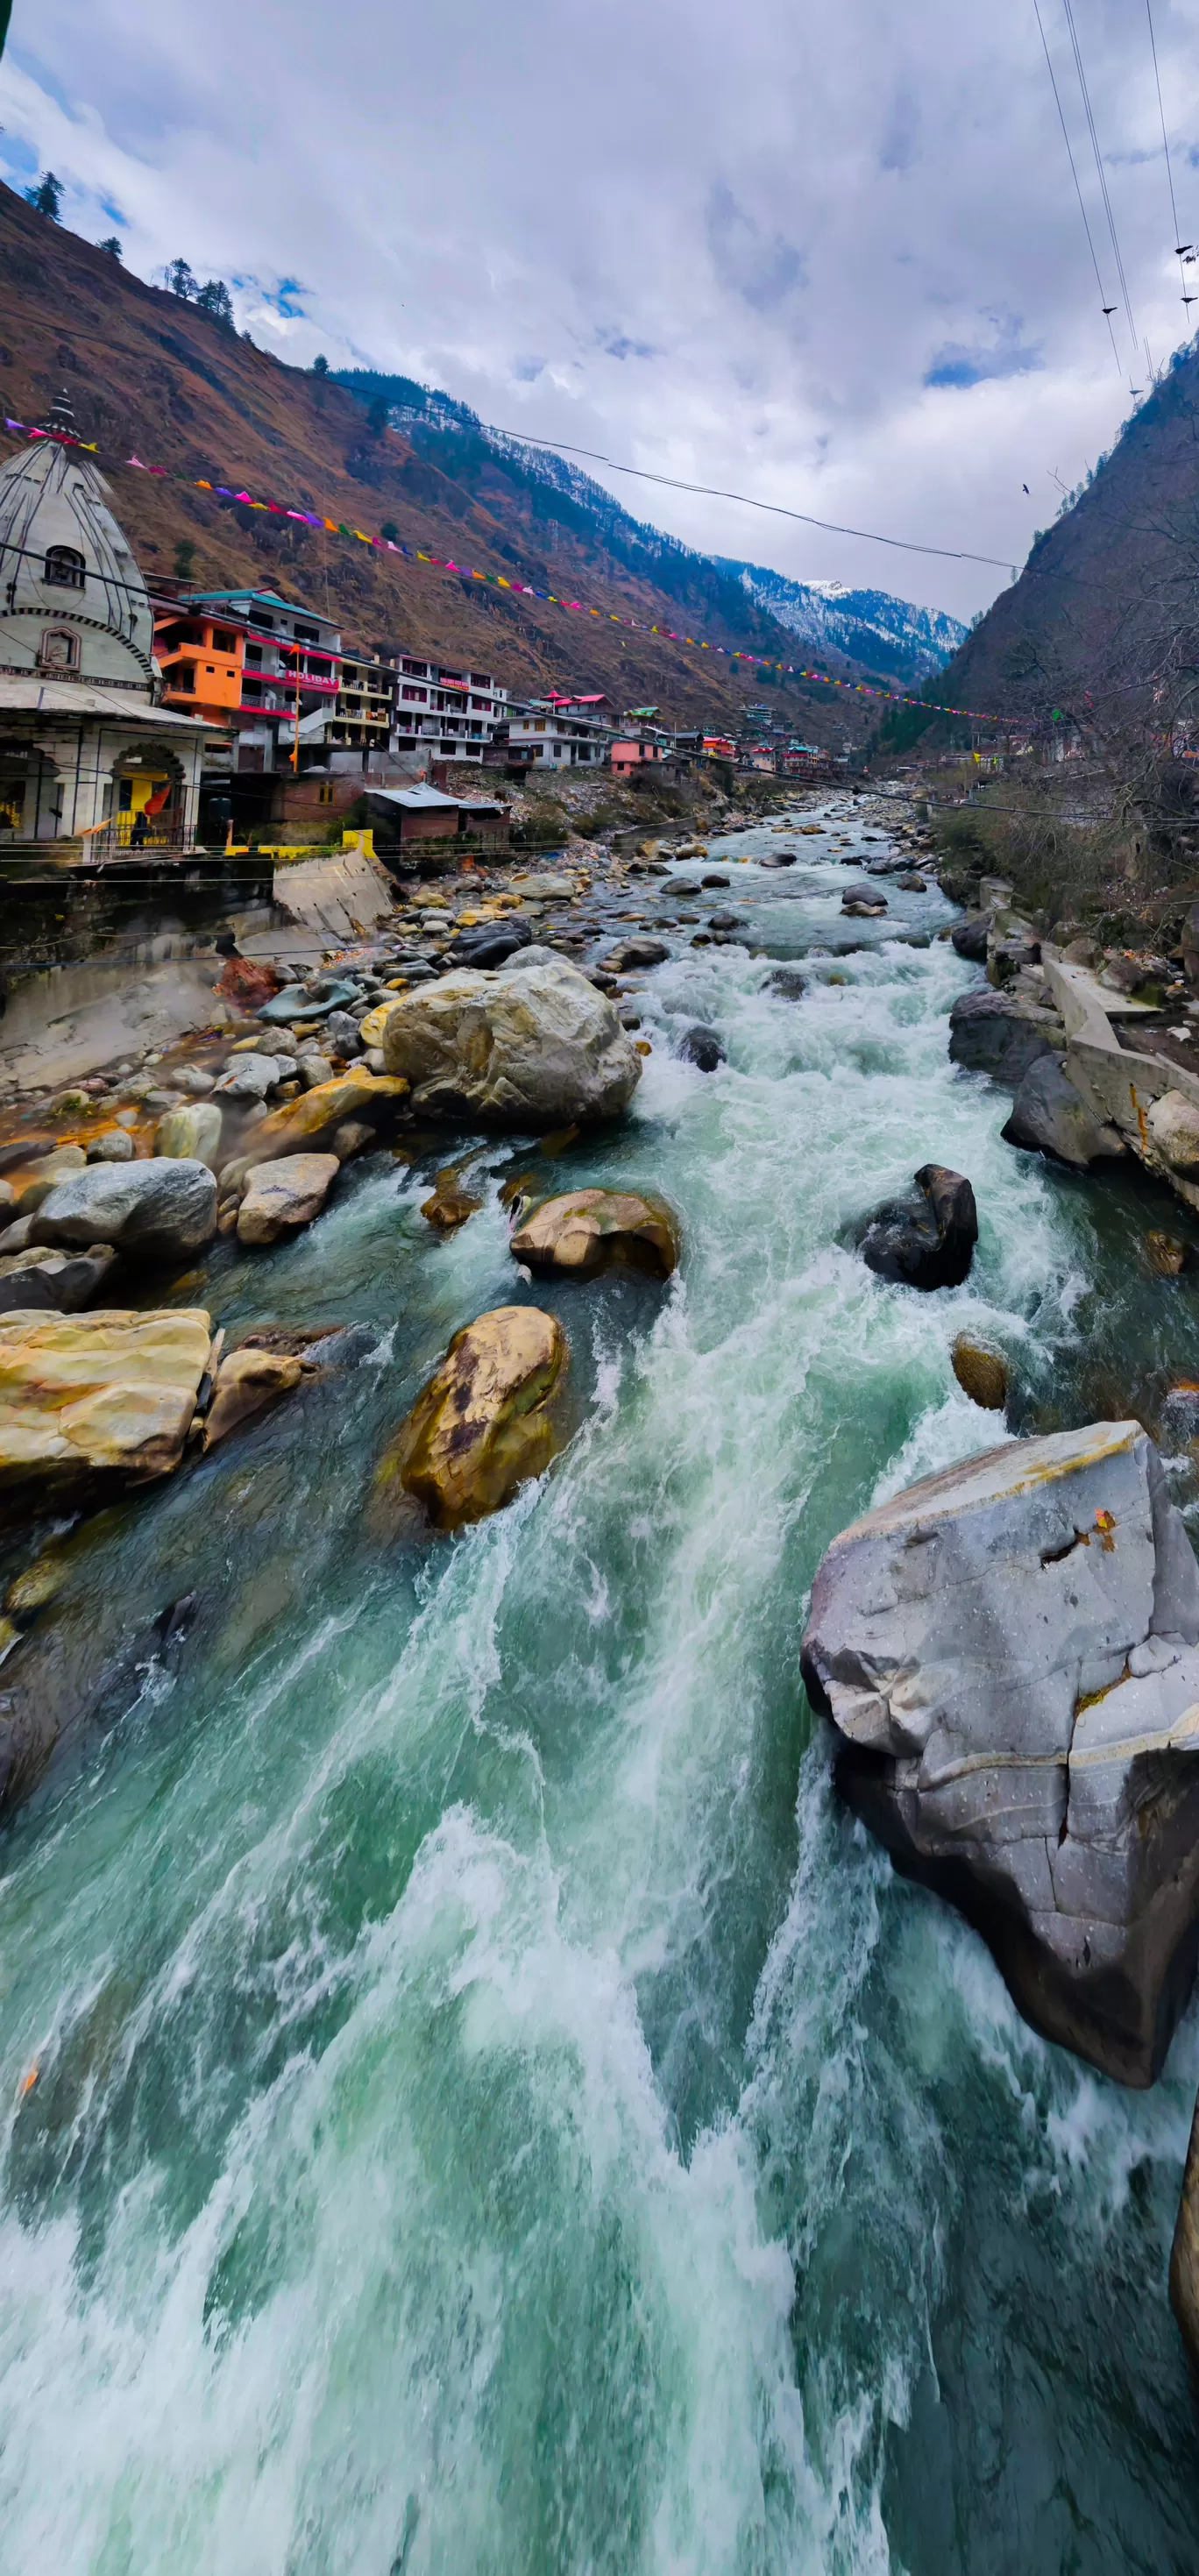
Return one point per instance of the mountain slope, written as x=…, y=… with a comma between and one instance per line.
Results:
x=872, y=628
x=1102, y=623
x=854, y=631
x=153, y=377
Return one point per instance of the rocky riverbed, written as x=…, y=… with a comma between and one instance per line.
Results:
x=477, y=2093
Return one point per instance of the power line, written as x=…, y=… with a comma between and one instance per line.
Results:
x=1102, y=177
x=1077, y=189
x=714, y=492
x=1180, y=247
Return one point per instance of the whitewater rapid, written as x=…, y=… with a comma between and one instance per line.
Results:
x=494, y=2111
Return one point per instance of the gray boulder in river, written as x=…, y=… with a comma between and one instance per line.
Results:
x=1010, y=1654
x=1001, y=1034
x=1050, y=1117
x=163, y=1208
x=526, y=1047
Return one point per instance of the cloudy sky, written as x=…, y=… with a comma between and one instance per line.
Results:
x=829, y=256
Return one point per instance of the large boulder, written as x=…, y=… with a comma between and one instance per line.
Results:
x=282, y=1195
x=61, y=1281
x=1001, y=1034
x=1050, y=1117
x=1173, y=1123
x=110, y=1394
x=530, y=1046
x=482, y=1425
x=928, y=1240
x=163, y=1209
x=969, y=937
x=589, y=1230
x=1008, y=1652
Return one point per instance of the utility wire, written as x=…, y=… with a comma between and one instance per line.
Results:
x=714, y=492
x=1111, y=220
x=1180, y=247
x=1077, y=189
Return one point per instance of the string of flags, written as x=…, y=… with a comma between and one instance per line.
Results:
x=499, y=581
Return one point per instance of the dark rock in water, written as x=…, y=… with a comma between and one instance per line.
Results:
x=970, y=937
x=779, y=859
x=702, y=1048
x=787, y=982
x=714, y=878
x=1184, y=2253
x=912, y=884
x=1010, y=1654
x=61, y=1282
x=490, y=944
x=1050, y=1117
x=1166, y=1255
x=926, y=1241
x=997, y=1034
x=724, y=921
x=74, y=1680
x=637, y=952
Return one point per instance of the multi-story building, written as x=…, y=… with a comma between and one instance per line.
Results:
x=560, y=732
x=363, y=716
x=639, y=743
x=202, y=659
x=447, y=714
x=289, y=667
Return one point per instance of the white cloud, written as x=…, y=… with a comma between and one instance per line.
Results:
x=738, y=250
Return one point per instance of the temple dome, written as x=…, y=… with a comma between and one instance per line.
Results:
x=73, y=604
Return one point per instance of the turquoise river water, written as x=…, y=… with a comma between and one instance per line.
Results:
x=495, y=2114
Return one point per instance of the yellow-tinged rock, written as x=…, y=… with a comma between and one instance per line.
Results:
x=247, y=1380
x=370, y=1030
x=110, y=1391
x=482, y=1426
x=310, y=1120
x=589, y=1230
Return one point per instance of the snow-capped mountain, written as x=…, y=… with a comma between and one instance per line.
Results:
x=870, y=626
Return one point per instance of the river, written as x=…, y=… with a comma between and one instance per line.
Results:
x=495, y=2115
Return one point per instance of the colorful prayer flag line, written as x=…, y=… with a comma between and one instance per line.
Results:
x=518, y=589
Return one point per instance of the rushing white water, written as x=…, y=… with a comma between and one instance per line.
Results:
x=494, y=2111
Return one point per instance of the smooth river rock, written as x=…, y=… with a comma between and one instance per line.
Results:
x=534, y=1046
x=482, y=1425
x=1000, y=1034
x=161, y=1210
x=311, y=1121
x=110, y=1393
x=701, y=1047
x=588, y=1230
x=191, y=1134
x=284, y=1194
x=61, y=1281
x=247, y=1381
x=926, y=1241
x=1049, y=1116
x=1009, y=1654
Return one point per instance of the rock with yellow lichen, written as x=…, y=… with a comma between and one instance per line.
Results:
x=108, y=1395
x=588, y=1230
x=483, y=1425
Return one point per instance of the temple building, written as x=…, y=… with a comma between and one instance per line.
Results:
x=91, y=762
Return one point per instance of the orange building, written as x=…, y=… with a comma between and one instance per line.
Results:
x=203, y=661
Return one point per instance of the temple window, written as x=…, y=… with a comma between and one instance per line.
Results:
x=66, y=568
x=58, y=650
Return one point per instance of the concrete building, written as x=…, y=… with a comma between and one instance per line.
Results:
x=560, y=733
x=364, y=709
x=639, y=743
x=408, y=817
x=443, y=713
x=91, y=760
x=290, y=673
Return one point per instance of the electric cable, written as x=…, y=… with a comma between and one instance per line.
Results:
x=1180, y=247
x=1102, y=177
x=714, y=492
x=1107, y=308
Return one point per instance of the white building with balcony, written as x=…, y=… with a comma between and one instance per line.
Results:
x=445, y=713
x=560, y=733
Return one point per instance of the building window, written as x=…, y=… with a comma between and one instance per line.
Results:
x=58, y=650
x=65, y=567
x=324, y=795
x=183, y=678
x=223, y=643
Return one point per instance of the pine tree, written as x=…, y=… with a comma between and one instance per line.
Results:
x=180, y=280
x=46, y=196
x=113, y=246
x=216, y=300
x=320, y=366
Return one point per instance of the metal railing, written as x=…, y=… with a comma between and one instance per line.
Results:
x=164, y=836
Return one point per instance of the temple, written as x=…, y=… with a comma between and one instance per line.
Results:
x=91, y=762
